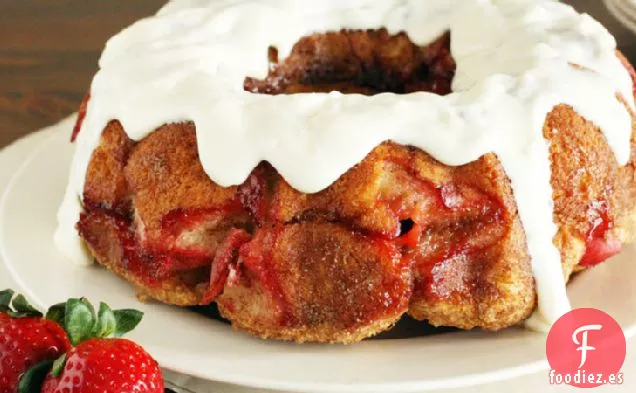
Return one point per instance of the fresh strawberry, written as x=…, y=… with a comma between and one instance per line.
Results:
x=29, y=344
x=24, y=343
x=26, y=339
x=106, y=365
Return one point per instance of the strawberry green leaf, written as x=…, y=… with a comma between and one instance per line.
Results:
x=58, y=366
x=127, y=320
x=5, y=298
x=88, y=304
x=106, y=322
x=57, y=313
x=79, y=320
x=32, y=380
x=23, y=308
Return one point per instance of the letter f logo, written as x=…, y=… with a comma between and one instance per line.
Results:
x=583, y=343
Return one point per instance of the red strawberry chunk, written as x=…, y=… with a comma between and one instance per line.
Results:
x=600, y=244
x=599, y=249
x=226, y=257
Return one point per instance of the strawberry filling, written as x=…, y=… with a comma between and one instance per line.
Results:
x=179, y=220
x=257, y=260
x=225, y=260
x=80, y=117
x=395, y=290
x=190, y=236
x=599, y=249
x=600, y=244
x=153, y=268
x=148, y=265
x=437, y=245
x=253, y=195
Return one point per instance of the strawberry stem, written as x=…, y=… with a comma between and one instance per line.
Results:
x=127, y=320
x=56, y=313
x=106, y=322
x=58, y=366
x=22, y=306
x=32, y=380
x=17, y=306
x=78, y=318
x=5, y=297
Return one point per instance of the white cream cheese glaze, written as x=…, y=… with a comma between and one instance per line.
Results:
x=514, y=64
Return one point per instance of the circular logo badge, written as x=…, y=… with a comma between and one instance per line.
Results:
x=586, y=348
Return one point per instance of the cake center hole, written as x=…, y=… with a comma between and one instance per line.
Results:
x=355, y=61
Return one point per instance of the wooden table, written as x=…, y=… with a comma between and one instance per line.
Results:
x=49, y=51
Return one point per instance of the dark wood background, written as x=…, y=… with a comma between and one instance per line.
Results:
x=49, y=51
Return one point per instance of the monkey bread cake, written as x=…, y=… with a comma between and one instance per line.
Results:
x=321, y=168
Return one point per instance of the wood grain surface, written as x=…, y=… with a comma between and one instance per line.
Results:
x=49, y=51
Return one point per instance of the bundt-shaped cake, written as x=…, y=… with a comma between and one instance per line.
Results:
x=456, y=161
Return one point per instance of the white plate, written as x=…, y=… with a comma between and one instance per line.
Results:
x=191, y=344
